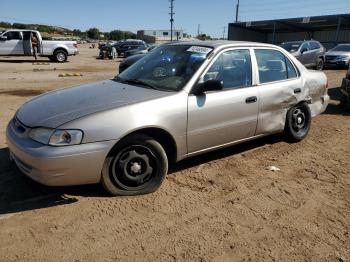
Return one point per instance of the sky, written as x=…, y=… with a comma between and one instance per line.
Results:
x=133, y=15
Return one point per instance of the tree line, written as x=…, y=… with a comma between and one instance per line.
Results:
x=92, y=33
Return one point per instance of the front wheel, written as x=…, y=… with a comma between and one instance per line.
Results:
x=138, y=165
x=298, y=122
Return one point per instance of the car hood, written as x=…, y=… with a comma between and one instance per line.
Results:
x=58, y=107
x=336, y=53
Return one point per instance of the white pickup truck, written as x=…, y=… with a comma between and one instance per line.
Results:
x=17, y=42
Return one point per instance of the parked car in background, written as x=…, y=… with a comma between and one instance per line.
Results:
x=339, y=56
x=140, y=50
x=345, y=89
x=310, y=53
x=127, y=62
x=180, y=100
x=18, y=43
x=129, y=45
x=130, y=60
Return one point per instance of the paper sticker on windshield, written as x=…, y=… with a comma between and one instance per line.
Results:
x=199, y=49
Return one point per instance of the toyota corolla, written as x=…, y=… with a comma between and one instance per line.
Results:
x=181, y=100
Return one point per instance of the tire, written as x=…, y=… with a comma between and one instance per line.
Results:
x=320, y=64
x=60, y=56
x=298, y=122
x=137, y=166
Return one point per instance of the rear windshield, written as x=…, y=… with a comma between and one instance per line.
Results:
x=345, y=48
x=291, y=47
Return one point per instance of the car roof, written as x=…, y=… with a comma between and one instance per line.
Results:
x=300, y=42
x=221, y=43
x=20, y=30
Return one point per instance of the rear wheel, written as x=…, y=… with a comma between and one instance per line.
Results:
x=298, y=122
x=138, y=165
x=60, y=56
x=320, y=64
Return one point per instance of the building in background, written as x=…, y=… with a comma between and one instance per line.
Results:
x=329, y=30
x=159, y=36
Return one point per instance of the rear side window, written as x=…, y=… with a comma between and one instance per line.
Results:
x=233, y=68
x=314, y=45
x=274, y=66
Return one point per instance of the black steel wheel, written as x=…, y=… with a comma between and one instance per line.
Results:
x=298, y=122
x=138, y=165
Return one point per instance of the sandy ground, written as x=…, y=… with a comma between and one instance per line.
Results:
x=222, y=206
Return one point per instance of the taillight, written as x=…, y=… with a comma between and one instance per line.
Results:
x=75, y=45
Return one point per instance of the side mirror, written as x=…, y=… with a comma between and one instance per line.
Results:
x=3, y=38
x=209, y=85
x=302, y=51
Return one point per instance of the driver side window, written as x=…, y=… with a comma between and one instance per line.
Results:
x=305, y=47
x=233, y=68
x=13, y=35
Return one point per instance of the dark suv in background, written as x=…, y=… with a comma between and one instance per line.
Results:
x=129, y=45
x=310, y=53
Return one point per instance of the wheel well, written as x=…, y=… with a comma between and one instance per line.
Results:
x=60, y=49
x=162, y=137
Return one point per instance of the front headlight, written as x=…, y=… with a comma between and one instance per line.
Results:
x=66, y=137
x=58, y=137
x=342, y=57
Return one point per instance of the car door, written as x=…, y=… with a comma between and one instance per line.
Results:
x=222, y=117
x=13, y=44
x=27, y=43
x=280, y=87
x=313, y=53
x=306, y=54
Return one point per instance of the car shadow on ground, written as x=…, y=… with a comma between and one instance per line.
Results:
x=226, y=152
x=19, y=193
x=335, y=107
x=20, y=61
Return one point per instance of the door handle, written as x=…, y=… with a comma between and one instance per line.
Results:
x=251, y=100
x=297, y=90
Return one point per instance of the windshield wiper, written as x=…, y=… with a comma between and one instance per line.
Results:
x=136, y=81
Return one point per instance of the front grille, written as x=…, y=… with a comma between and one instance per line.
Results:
x=330, y=57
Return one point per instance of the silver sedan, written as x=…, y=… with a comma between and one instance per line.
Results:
x=180, y=100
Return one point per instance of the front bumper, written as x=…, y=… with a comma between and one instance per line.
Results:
x=57, y=166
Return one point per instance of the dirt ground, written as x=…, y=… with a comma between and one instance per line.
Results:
x=222, y=206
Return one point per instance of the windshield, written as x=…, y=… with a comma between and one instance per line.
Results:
x=167, y=67
x=345, y=48
x=291, y=47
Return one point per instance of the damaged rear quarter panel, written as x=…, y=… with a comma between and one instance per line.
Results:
x=278, y=97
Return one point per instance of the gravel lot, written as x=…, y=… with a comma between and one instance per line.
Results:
x=222, y=206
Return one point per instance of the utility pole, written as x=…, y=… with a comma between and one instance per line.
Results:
x=223, y=34
x=171, y=18
x=237, y=10
x=198, y=30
